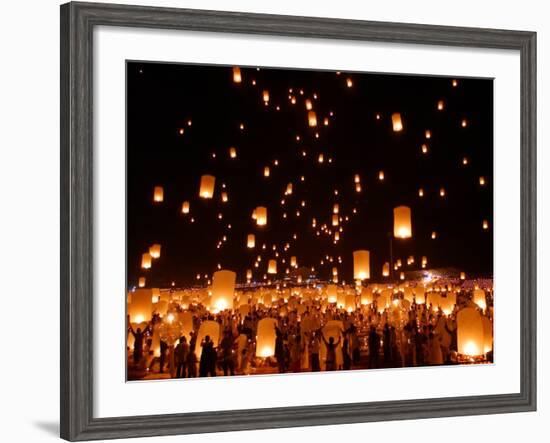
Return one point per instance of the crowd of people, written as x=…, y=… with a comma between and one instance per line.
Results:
x=317, y=339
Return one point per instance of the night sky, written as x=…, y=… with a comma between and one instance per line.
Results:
x=162, y=98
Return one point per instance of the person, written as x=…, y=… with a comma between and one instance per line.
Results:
x=355, y=345
x=280, y=354
x=346, y=353
x=163, y=349
x=330, y=361
x=226, y=345
x=387, y=345
x=139, y=336
x=295, y=354
x=435, y=356
x=182, y=349
x=207, y=364
x=315, y=347
x=374, y=346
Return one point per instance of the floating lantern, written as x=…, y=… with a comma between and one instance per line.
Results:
x=485, y=224
x=154, y=251
x=146, y=260
x=141, y=282
x=402, y=227
x=424, y=148
x=440, y=105
x=332, y=293
x=237, y=78
x=155, y=296
x=381, y=175
x=487, y=335
x=288, y=189
x=419, y=295
x=265, y=337
x=225, y=198
x=210, y=328
x=442, y=192
x=293, y=262
x=272, y=267
x=335, y=208
x=358, y=187
x=261, y=215
x=321, y=158
x=207, y=186
x=402, y=276
x=309, y=105
x=312, y=119
x=266, y=171
x=223, y=289
x=251, y=241
x=462, y=276
x=233, y=152
x=482, y=181
x=428, y=134
x=335, y=220
x=158, y=194
x=479, y=298
x=140, y=306
x=361, y=265
x=366, y=296
x=265, y=95
x=386, y=269
x=349, y=83
x=454, y=83
x=434, y=235
x=470, y=334
x=421, y=192
x=465, y=161
x=464, y=123
x=396, y=122
x=185, y=207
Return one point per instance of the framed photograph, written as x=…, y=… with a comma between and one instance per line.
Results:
x=253, y=206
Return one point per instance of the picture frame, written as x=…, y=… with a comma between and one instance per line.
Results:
x=77, y=219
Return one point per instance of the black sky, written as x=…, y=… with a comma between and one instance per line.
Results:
x=161, y=98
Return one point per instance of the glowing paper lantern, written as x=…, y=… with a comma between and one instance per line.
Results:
x=419, y=295
x=470, y=334
x=265, y=337
x=350, y=302
x=141, y=282
x=237, y=78
x=381, y=175
x=266, y=171
x=223, y=290
x=440, y=105
x=225, y=198
x=288, y=189
x=272, y=267
x=249, y=274
x=185, y=207
x=312, y=119
x=146, y=260
x=141, y=305
x=154, y=251
x=332, y=293
x=386, y=269
x=293, y=261
x=233, y=152
x=361, y=264
x=335, y=220
x=336, y=208
x=462, y=276
x=479, y=298
x=402, y=227
x=207, y=186
x=261, y=215
x=366, y=296
x=251, y=241
x=186, y=324
x=487, y=335
x=210, y=328
x=396, y=122
x=265, y=95
x=158, y=194
x=485, y=224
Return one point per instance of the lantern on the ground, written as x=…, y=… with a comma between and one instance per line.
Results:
x=158, y=194
x=265, y=337
x=146, y=260
x=402, y=226
x=237, y=78
x=154, y=251
x=207, y=186
x=223, y=290
x=396, y=122
x=272, y=266
x=261, y=215
x=470, y=334
x=185, y=207
x=361, y=265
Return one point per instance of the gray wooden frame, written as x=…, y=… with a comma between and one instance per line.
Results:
x=77, y=24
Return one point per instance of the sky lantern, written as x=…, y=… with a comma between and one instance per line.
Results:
x=349, y=83
x=146, y=260
x=158, y=194
x=141, y=282
x=434, y=235
x=140, y=306
x=225, y=198
x=381, y=175
x=237, y=78
x=358, y=187
x=366, y=296
x=336, y=208
x=481, y=181
x=462, y=276
x=251, y=241
x=207, y=186
x=210, y=328
x=424, y=148
x=261, y=215
x=272, y=266
x=266, y=171
x=464, y=123
x=249, y=274
x=233, y=152
x=470, y=334
x=440, y=105
x=386, y=269
x=421, y=192
x=361, y=265
x=293, y=261
x=265, y=95
x=265, y=337
x=396, y=122
x=312, y=119
x=350, y=302
x=402, y=226
x=487, y=334
x=288, y=190
x=321, y=158
x=419, y=294
x=485, y=224
x=154, y=251
x=309, y=105
x=357, y=178
x=223, y=290
x=428, y=134
x=424, y=261
x=335, y=220
x=479, y=298
x=332, y=293
x=442, y=192
x=185, y=207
